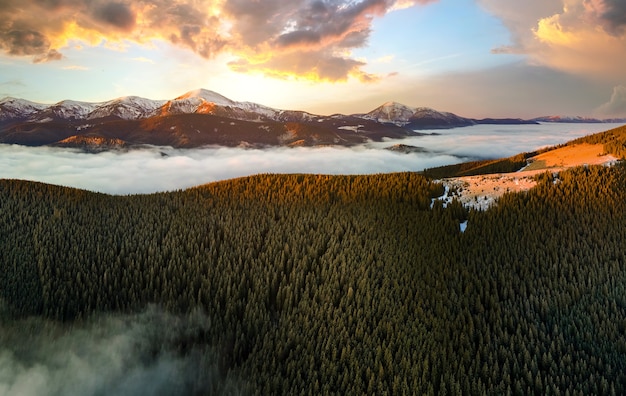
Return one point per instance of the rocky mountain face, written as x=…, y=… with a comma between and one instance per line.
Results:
x=197, y=118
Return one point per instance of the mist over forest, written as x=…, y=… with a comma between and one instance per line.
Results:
x=165, y=169
x=108, y=354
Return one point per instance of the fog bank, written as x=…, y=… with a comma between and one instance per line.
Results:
x=164, y=168
x=108, y=355
x=161, y=169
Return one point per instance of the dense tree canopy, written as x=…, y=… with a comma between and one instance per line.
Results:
x=345, y=284
x=481, y=167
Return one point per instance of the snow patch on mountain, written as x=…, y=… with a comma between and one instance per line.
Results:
x=392, y=112
x=126, y=108
x=353, y=128
x=13, y=108
x=207, y=96
x=415, y=117
x=71, y=109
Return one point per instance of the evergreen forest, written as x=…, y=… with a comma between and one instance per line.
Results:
x=313, y=284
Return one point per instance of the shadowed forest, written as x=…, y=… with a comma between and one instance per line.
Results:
x=313, y=284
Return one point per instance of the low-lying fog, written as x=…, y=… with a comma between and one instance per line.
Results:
x=121, y=355
x=164, y=168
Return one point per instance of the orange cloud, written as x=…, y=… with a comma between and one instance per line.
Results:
x=267, y=36
x=583, y=37
x=312, y=66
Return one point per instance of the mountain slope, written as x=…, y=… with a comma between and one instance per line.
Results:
x=12, y=109
x=197, y=118
x=179, y=122
x=416, y=117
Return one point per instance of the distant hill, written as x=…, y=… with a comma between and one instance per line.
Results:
x=579, y=120
x=613, y=142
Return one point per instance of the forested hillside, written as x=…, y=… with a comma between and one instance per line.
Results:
x=614, y=141
x=482, y=167
x=343, y=284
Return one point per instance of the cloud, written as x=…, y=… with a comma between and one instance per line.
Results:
x=263, y=35
x=543, y=90
x=611, y=12
x=51, y=55
x=108, y=354
x=109, y=172
x=385, y=59
x=116, y=14
x=75, y=67
x=583, y=37
x=616, y=106
x=166, y=169
x=15, y=82
x=506, y=49
x=25, y=42
x=311, y=65
x=143, y=59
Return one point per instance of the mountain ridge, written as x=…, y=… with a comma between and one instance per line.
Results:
x=198, y=99
x=136, y=121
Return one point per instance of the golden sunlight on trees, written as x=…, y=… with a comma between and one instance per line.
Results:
x=345, y=284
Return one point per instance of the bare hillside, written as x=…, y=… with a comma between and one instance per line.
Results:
x=481, y=191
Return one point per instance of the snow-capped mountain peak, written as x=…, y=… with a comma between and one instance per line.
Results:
x=126, y=108
x=415, y=117
x=13, y=108
x=67, y=109
x=392, y=112
x=16, y=102
x=208, y=96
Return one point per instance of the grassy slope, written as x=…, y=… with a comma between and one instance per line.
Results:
x=613, y=141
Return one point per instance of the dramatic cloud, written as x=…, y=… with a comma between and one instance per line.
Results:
x=616, y=106
x=313, y=65
x=161, y=169
x=264, y=36
x=583, y=37
x=611, y=12
x=118, y=15
x=520, y=18
x=25, y=42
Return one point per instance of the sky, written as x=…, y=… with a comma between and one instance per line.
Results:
x=476, y=58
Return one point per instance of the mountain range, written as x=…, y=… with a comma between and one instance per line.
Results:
x=202, y=117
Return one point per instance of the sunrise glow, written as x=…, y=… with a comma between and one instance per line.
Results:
x=312, y=55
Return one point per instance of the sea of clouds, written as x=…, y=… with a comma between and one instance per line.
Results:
x=164, y=168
